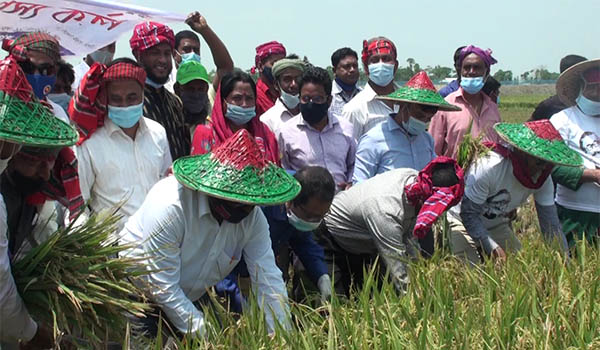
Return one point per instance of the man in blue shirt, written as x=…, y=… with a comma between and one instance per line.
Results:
x=454, y=84
x=401, y=140
x=291, y=225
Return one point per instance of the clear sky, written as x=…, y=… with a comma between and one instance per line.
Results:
x=523, y=34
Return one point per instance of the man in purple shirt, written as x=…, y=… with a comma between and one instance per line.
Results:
x=316, y=137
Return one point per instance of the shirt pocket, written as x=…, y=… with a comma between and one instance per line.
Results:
x=226, y=263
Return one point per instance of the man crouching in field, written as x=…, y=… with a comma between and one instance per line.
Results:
x=500, y=182
x=383, y=216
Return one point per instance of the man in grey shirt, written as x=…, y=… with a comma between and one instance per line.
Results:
x=378, y=217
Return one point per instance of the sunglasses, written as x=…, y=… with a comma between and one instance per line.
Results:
x=43, y=69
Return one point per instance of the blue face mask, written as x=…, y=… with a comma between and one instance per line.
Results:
x=60, y=99
x=414, y=126
x=472, y=85
x=381, y=73
x=239, y=115
x=126, y=117
x=587, y=106
x=289, y=100
x=190, y=56
x=41, y=84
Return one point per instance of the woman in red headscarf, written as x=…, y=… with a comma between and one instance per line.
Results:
x=235, y=109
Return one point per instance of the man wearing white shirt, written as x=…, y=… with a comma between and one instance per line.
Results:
x=286, y=73
x=380, y=62
x=345, y=68
x=194, y=227
x=120, y=161
x=103, y=55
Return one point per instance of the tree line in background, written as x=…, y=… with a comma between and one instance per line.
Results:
x=439, y=73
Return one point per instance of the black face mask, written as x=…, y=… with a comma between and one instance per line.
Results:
x=268, y=72
x=227, y=210
x=312, y=112
x=195, y=106
x=26, y=185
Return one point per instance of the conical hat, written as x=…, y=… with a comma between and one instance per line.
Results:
x=570, y=81
x=23, y=119
x=539, y=139
x=419, y=89
x=237, y=170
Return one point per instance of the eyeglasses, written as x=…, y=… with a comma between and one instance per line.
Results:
x=43, y=69
x=316, y=99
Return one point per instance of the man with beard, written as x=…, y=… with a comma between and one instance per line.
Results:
x=17, y=213
x=152, y=45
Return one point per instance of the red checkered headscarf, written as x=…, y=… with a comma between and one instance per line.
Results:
x=33, y=41
x=436, y=200
x=265, y=50
x=377, y=46
x=149, y=34
x=87, y=108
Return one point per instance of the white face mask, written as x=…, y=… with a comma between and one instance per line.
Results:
x=289, y=100
x=302, y=225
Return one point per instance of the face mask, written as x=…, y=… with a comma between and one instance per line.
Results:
x=228, y=212
x=302, y=225
x=4, y=164
x=60, y=99
x=268, y=72
x=190, y=56
x=587, y=106
x=195, y=106
x=312, y=112
x=102, y=56
x=414, y=126
x=153, y=84
x=41, y=84
x=126, y=117
x=498, y=100
x=381, y=73
x=289, y=100
x=472, y=85
x=240, y=115
x=344, y=86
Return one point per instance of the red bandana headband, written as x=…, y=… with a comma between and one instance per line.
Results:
x=379, y=46
x=149, y=34
x=33, y=41
x=436, y=200
x=86, y=109
x=265, y=50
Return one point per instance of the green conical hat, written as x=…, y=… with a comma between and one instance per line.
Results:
x=237, y=170
x=539, y=139
x=419, y=89
x=23, y=119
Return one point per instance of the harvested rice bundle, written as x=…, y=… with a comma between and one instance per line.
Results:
x=75, y=281
x=470, y=149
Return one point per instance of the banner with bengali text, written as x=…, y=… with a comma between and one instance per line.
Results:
x=81, y=26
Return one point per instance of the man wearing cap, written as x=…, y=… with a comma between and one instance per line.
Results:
x=315, y=136
x=383, y=215
x=479, y=113
x=38, y=54
x=103, y=55
x=266, y=55
x=286, y=73
x=345, y=68
x=152, y=45
x=121, y=154
x=41, y=128
x=553, y=104
x=500, y=182
x=195, y=226
x=578, y=189
x=192, y=87
x=380, y=63
x=401, y=140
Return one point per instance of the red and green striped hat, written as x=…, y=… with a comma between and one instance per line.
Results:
x=419, y=89
x=539, y=139
x=23, y=119
x=238, y=171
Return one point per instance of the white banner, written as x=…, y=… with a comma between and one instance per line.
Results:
x=81, y=26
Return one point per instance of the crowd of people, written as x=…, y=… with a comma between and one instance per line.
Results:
x=227, y=178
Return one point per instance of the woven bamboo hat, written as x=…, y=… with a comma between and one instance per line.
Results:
x=539, y=139
x=23, y=119
x=570, y=82
x=419, y=89
x=238, y=171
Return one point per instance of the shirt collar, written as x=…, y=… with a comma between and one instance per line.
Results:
x=112, y=128
x=459, y=94
x=331, y=121
x=370, y=94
